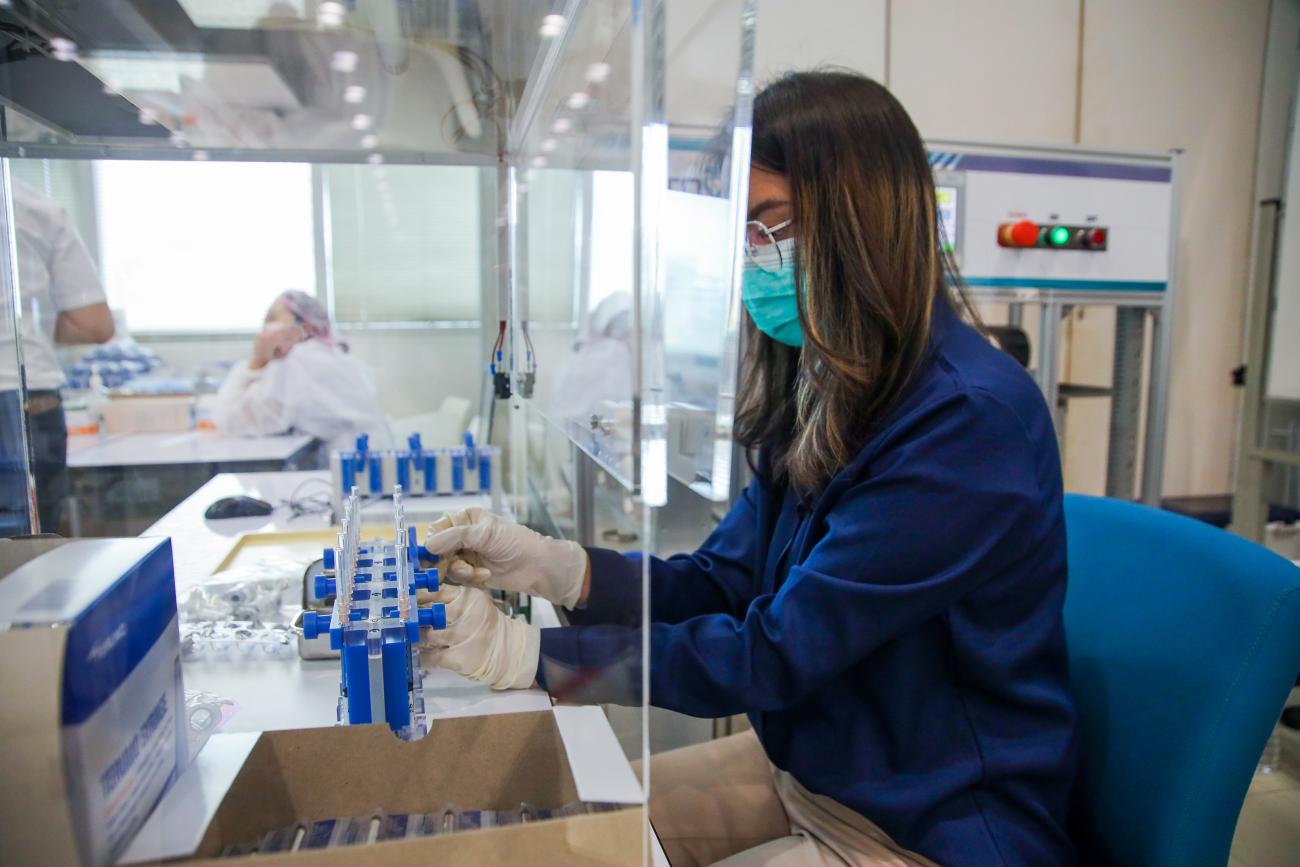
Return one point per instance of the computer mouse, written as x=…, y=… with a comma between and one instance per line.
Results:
x=237, y=507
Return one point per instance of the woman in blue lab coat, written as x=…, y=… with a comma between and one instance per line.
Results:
x=884, y=600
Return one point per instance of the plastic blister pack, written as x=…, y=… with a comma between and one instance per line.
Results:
x=205, y=714
x=238, y=639
x=258, y=592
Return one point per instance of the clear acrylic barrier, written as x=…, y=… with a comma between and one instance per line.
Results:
x=709, y=135
x=402, y=259
x=435, y=175
x=369, y=77
x=16, y=514
x=576, y=234
x=640, y=375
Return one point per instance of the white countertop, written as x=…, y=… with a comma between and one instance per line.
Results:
x=294, y=693
x=274, y=693
x=199, y=544
x=181, y=447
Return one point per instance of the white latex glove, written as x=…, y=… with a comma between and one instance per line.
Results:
x=481, y=642
x=485, y=550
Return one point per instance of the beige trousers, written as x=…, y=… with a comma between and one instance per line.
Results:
x=723, y=802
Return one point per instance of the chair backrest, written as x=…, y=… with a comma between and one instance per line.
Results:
x=1184, y=641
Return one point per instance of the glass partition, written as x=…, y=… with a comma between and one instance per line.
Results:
x=636, y=325
x=318, y=76
x=17, y=517
x=273, y=250
x=709, y=134
x=396, y=258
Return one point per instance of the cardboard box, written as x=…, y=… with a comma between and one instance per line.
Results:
x=147, y=413
x=481, y=762
x=91, y=701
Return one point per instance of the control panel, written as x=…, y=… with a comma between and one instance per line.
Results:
x=1068, y=221
x=1027, y=233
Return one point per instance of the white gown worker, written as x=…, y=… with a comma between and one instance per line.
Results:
x=300, y=380
x=63, y=304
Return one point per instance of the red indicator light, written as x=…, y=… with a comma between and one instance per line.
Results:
x=1095, y=238
x=1021, y=234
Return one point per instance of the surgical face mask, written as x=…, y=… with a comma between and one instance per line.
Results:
x=768, y=291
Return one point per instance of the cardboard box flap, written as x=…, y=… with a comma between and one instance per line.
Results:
x=603, y=840
x=485, y=763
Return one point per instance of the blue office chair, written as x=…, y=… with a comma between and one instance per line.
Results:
x=1184, y=641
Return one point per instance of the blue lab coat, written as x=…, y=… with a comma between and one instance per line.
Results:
x=896, y=640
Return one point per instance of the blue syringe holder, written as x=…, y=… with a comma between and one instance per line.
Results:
x=375, y=623
x=419, y=470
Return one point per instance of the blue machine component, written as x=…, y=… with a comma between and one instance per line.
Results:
x=324, y=585
x=375, y=623
x=416, y=469
x=457, y=471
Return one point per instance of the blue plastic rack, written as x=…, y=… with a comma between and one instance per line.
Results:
x=375, y=623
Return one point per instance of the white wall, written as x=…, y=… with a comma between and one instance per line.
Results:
x=1153, y=75
x=790, y=36
x=1187, y=74
x=997, y=70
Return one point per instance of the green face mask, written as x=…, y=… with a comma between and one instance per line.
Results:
x=770, y=295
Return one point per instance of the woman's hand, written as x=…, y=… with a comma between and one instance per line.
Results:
x=484, y=550
x=481, y=642
x=275, y=341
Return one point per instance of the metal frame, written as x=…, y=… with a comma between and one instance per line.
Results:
x=12, y=301
x=20, y=150
x=1055, y=304
x=1249, y=511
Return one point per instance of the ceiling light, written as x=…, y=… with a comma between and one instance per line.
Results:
x=375, y=159
x=538, y=162
x=561, y=125
x=329, y=14
x=362, y=121
x=552, y=26
x=343, y=61
x=63, y=49
x=548, y=145
x=369, y=142
x=354, y=93
x=578, y=100
x=597, y=73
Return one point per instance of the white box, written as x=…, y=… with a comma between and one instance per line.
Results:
x=91, y=699
x=163, y=413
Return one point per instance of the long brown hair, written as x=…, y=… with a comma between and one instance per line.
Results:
x=868, y=266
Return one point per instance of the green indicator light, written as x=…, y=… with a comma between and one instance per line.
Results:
x=1060, y=236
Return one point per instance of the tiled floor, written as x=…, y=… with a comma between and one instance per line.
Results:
x=1268, y=831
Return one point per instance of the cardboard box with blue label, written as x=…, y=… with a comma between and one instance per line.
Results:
x=91, y=700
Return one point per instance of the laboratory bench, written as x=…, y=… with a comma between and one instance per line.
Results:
x=121, y=483
x=289, y=692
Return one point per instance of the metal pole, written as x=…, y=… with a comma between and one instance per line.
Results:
x=584, y=497
x=1249, y=512
x=1153, y=447
x=1126, y=402
x=1049, y=342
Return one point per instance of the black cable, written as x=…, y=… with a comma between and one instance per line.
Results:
x=315, y=504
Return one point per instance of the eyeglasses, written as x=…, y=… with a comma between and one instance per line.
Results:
x=761, y=247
